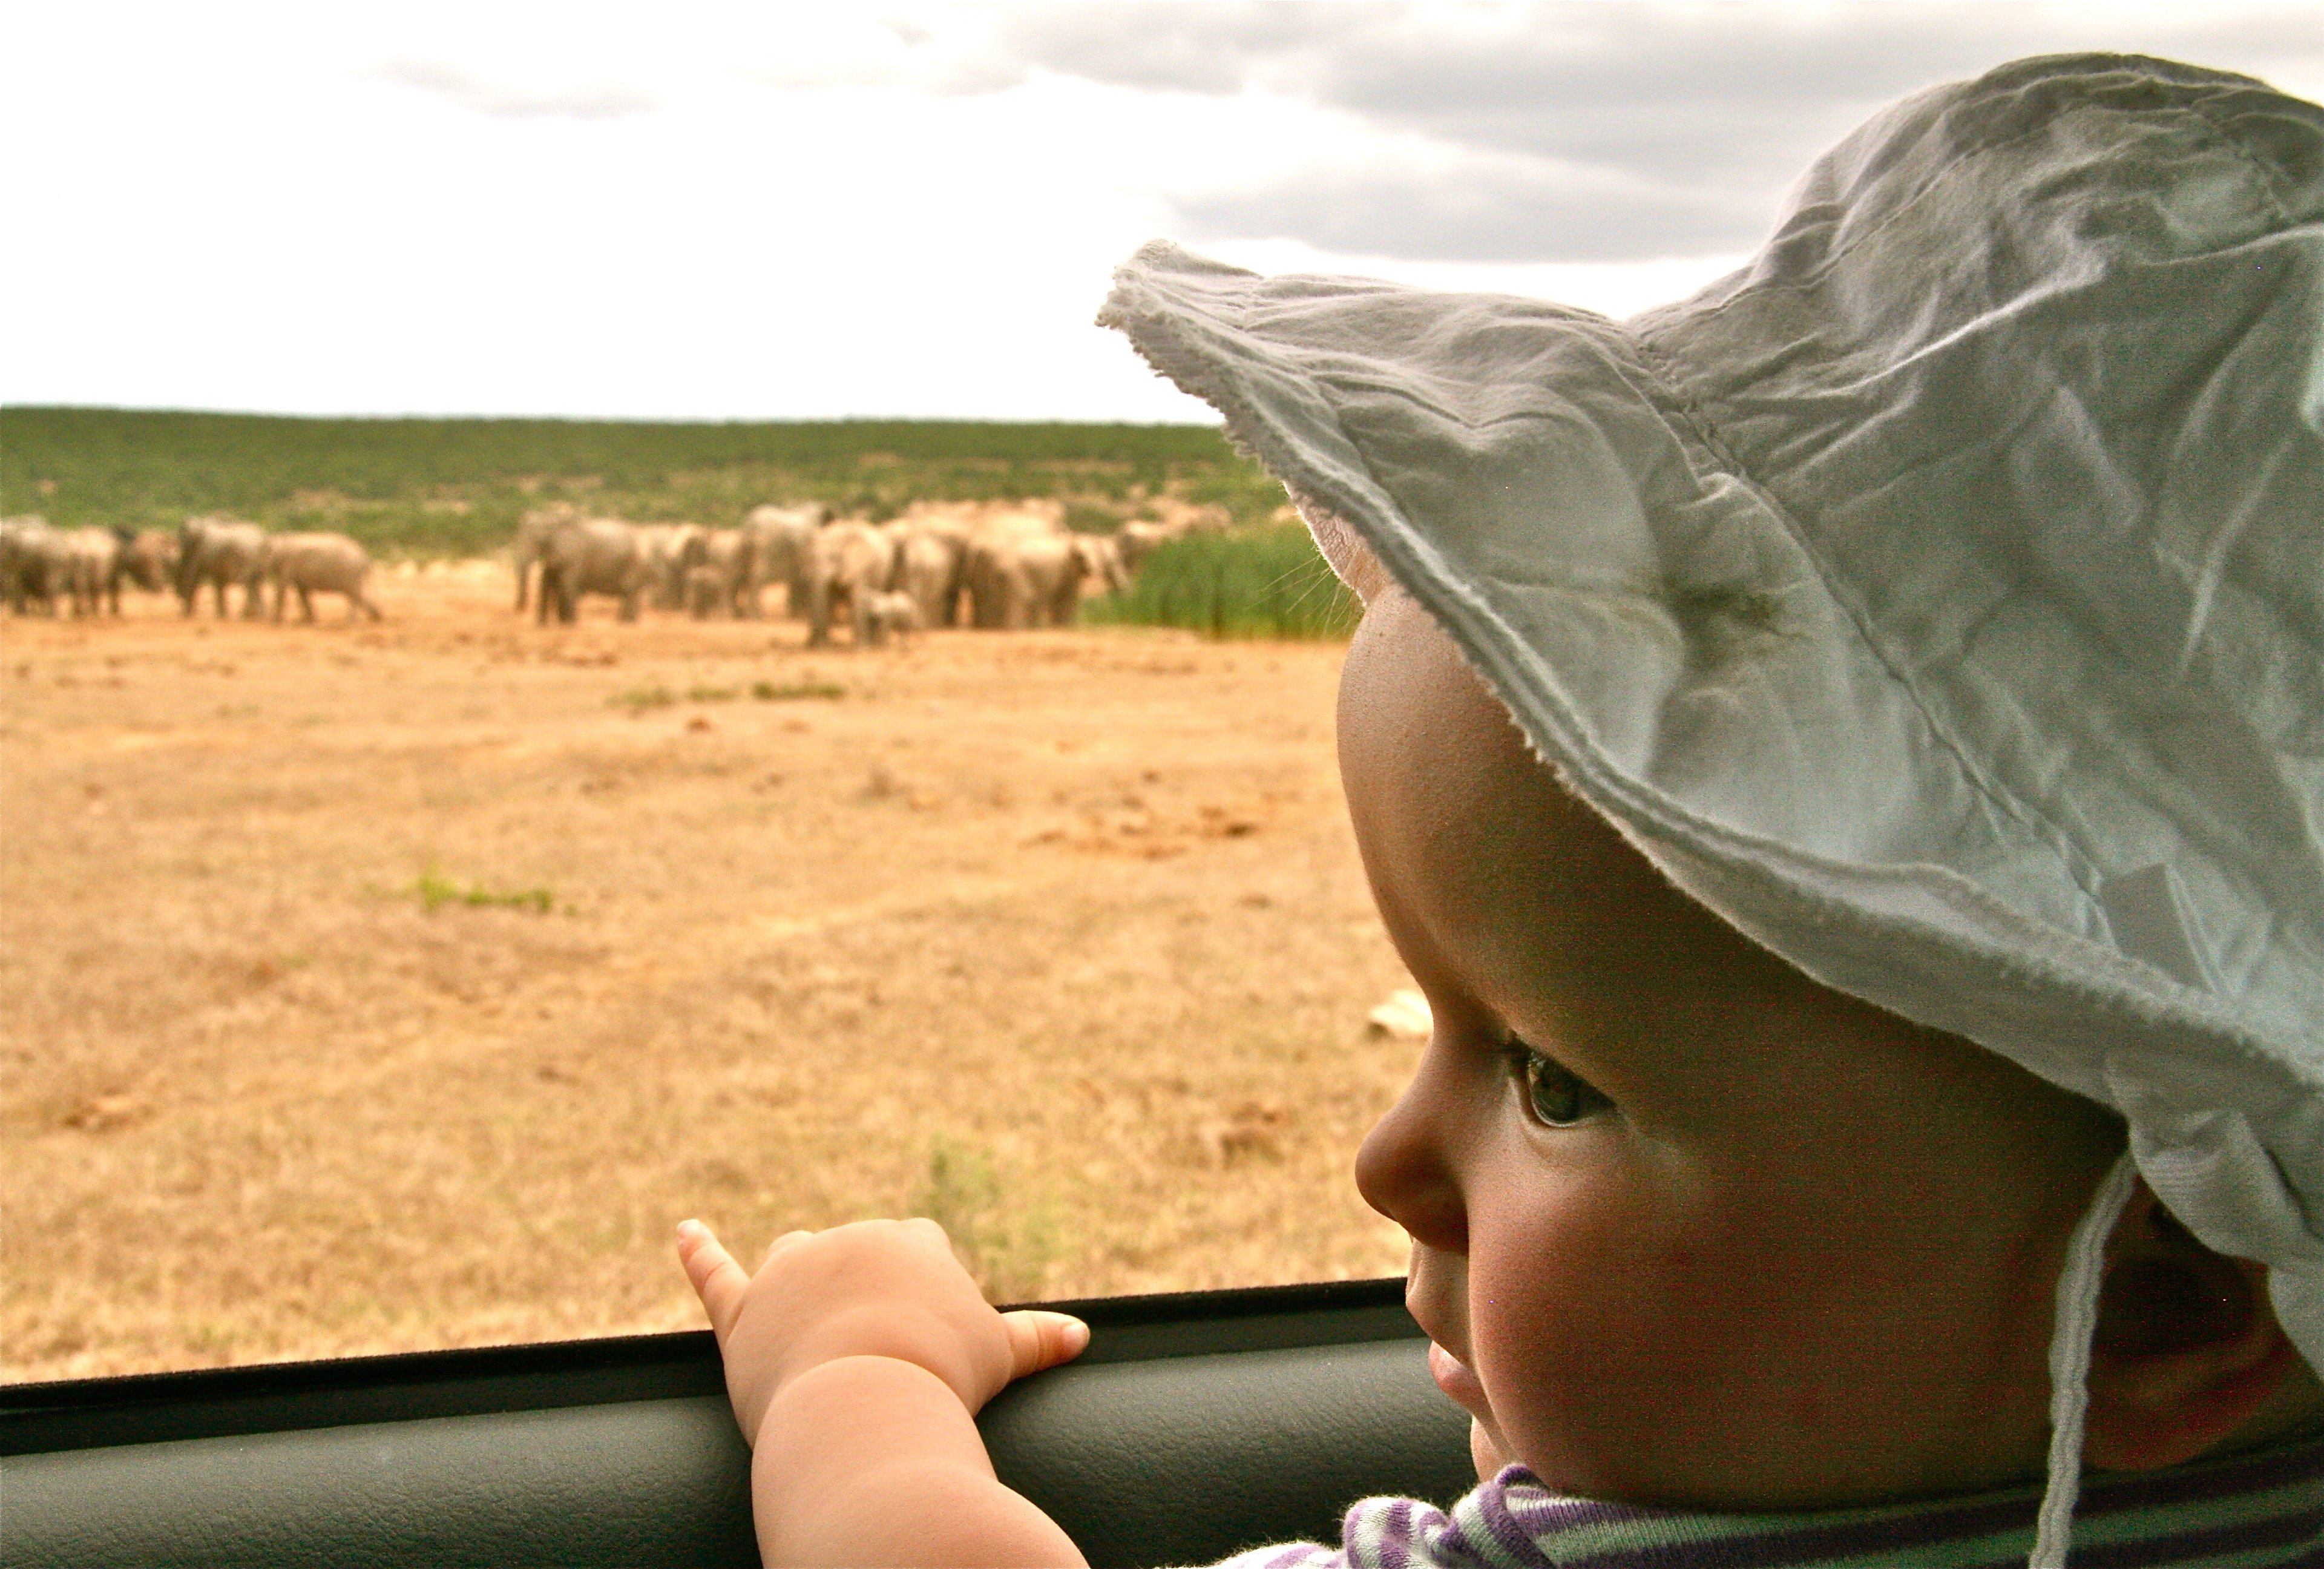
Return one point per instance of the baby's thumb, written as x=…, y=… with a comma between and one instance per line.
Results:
x=1039, y=1339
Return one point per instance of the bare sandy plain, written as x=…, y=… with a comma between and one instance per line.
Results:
x=1060, y=936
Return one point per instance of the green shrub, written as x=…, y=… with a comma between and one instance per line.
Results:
x=1009, y=1239
x=637, y=699
x=456, y=487
x=435, y=890
x=1247, y=583
x=790, y=691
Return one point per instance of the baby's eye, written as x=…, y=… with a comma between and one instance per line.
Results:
x=1556, y=1096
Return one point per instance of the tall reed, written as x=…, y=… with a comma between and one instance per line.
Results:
x=1265, y=582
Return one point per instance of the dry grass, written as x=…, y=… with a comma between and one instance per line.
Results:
x=1060, y=936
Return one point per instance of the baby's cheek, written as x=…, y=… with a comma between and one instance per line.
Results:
x=1612, y=1382
x=1609, y=1347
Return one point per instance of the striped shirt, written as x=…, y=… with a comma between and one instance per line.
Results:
x=2265, y=1508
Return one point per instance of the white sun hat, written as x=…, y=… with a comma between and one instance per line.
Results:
x=1939, y=598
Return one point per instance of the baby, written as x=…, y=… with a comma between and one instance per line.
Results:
x=1845, y=1104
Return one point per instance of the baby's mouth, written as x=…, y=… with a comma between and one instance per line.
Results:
x=1453, y=1377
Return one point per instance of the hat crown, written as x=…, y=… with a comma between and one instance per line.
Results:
x=2003, y=370
x=1939, y=598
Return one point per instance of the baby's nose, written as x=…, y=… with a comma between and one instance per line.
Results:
x=1402, y=1172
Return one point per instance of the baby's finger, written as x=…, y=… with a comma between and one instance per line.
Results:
x=717, y=1279
x=1038, y=1339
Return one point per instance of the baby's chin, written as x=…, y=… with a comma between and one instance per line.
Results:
x=1484, y=1450
x=1487, y=1448
x=1458, y=1384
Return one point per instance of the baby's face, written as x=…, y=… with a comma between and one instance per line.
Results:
x=1691, y=1228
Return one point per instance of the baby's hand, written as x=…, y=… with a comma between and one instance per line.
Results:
x=889, y=1289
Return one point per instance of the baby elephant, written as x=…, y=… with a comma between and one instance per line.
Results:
x=894, y=611
x=706, y=591
x=313, y=564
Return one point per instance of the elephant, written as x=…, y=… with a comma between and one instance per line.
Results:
x=1102, y=560
x=929, y=566
x=846, y=563
x=702, y=587
x=1021, y=578
x=532, y=532
x=149, y=559
x=666, y=546
x=592, y=556
x=985, y=572
x=990, y=570
x=1053, y=567
x=1136, y=539
x=712, y=570
x=92, y=565
x=311, y=564
x=220, y=551
x=892, y=613
x=35, y=563
x=776, y=542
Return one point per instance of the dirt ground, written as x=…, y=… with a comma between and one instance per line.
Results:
x=1059, y=936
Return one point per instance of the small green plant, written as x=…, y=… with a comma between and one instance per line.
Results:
x=1009, y=1246
x=640, y=699
x=435, y=890
x=790, y=691
x=1265, y=582
x=637, y=699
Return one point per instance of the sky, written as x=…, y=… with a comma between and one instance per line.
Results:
x=768, y=211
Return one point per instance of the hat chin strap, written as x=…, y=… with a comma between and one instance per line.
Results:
x=2069, y=1364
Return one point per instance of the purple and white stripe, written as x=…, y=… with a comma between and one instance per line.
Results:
x=2263, y=1509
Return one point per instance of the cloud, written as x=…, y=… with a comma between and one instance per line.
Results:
x=1199, y=48
x=1486, y=210
x=581, y=101
x=1591, y=131
x=950, y=54
x=1543, y=133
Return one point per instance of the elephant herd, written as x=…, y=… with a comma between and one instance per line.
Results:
x=938, y=564
x=1007, y=563
x=86, y=568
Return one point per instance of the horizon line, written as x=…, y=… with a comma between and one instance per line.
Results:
x=9, y=407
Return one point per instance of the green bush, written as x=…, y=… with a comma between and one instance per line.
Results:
x=455, y=487
x=1009, y=1239
x=788, y=691
x=1262, y=582
x=435, y=890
